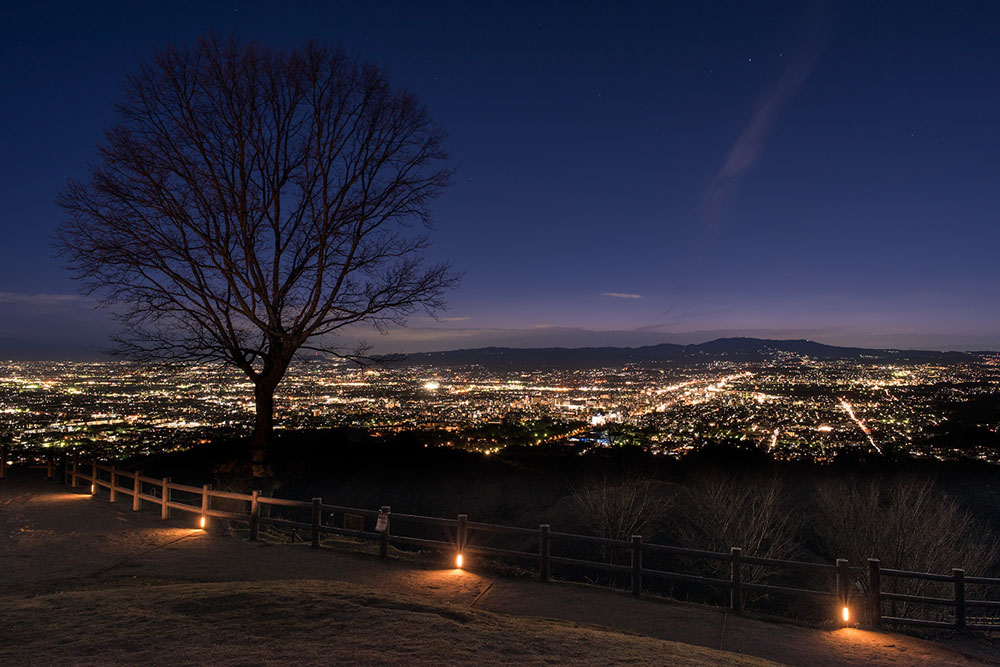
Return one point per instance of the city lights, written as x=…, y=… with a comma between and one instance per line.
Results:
x=790, y=409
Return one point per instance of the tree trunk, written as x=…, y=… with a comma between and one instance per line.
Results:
x=263, y=394
x=264, y=387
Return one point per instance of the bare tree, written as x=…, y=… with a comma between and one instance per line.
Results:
x=725, y=510
x=908, y=524
x=750, y=512
x=620, y=505
x=250, y=203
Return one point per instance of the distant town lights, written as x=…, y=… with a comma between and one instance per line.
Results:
x=829, y=407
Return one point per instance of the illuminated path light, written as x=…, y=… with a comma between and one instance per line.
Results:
x=864, y=429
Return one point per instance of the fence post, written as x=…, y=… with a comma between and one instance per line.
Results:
x=315, y=522
x=254, y=515
x=3, y=461
x=204, y=504
x=461, y=535
x=383, y=545
x=736, y=579
x=636, y=565
x=543, y=552
x=959, y=575
x=165, y=499
x=75, y=474
x=136, y=490
x=93, y=477
x=875, y=592
x=844, y=587
x=114, y=484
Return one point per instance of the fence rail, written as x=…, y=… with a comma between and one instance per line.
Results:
x=454, y=537
x=957, y=602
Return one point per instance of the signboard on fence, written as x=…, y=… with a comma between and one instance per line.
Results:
x=382, y=523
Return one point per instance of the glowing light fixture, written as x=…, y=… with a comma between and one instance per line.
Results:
x=458, y=561
x=93, y=489
x=846, y=614
x=203, y=523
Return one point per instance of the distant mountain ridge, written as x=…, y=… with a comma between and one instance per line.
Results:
x=720, y=349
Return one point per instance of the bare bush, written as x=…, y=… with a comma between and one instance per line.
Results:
x=619, y=505
x=752, y=513
x=725, y=510
x=908, y=524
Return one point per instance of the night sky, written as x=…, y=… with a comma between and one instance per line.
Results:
x=627, y=173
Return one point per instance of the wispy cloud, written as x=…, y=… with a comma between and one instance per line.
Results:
x=749, y=146
x=622, y=295
x=440, y=319
x=41, y=299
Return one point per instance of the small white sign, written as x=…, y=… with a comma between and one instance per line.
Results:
x=382, y=523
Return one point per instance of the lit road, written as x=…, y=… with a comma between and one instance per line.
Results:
x=864, y=429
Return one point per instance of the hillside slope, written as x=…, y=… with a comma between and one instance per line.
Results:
x=307, y=622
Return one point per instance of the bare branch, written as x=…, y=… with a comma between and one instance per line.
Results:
x=250, y=202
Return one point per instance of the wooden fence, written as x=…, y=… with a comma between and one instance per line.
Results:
x=463, y=538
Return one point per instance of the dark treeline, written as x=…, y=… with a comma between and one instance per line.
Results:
x=912, y=514
x=527, y=485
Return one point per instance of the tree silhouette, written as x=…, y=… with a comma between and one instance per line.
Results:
x=249, y=203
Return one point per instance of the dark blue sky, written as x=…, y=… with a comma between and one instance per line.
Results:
x=653, y=171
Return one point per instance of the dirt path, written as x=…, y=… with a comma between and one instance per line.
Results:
x=55, y=539
x=707, y=626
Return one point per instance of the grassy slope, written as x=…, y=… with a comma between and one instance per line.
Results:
x=304, y=622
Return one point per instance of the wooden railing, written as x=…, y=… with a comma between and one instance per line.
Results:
x=958, y=601
x=455, y=535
